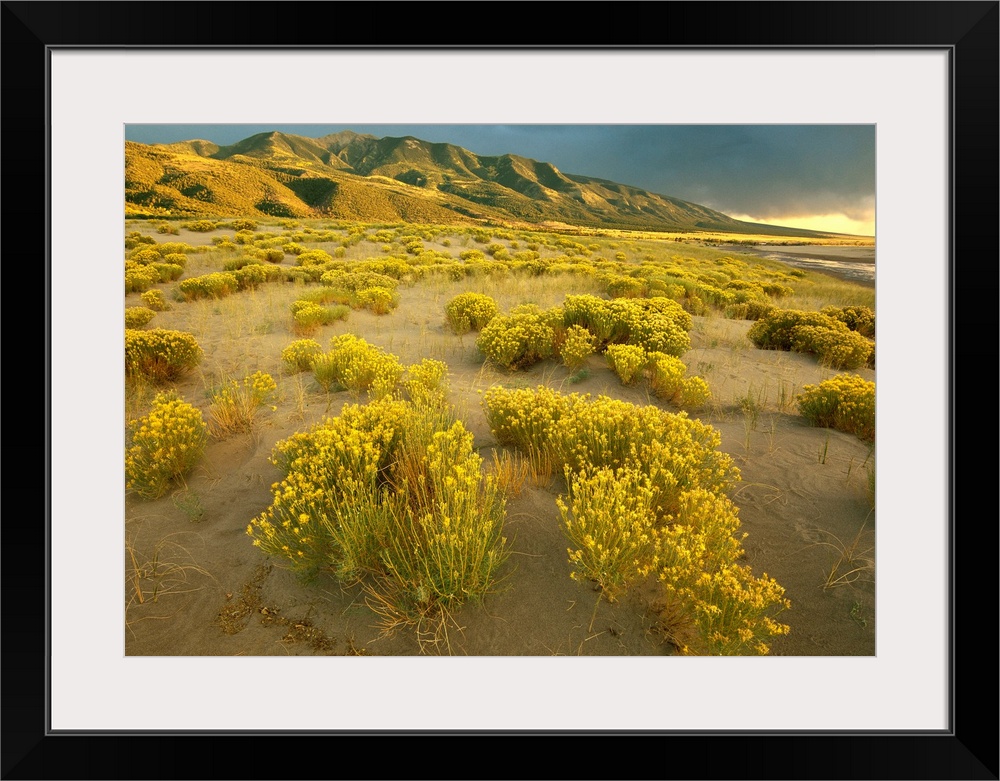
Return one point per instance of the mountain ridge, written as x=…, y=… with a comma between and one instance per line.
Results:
x=348, y=175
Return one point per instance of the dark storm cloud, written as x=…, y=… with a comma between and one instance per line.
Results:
x=765, y=171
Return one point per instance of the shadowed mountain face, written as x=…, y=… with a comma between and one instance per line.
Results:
x=347, y=175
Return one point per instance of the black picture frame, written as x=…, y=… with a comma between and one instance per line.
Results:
x=967, y=750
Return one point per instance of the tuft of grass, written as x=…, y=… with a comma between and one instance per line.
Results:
x=853, y=561
x=511, y=471
x=167, y=569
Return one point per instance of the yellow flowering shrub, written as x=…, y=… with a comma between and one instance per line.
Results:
x=646, y=497
x=837, y=347
x=163, y=446
x=446, y=544
x=577, y=346
x=159, y=354
x=138, y=316
x=627, y=361
x=139, y=277
x=845, y=402
x=694, y=394
x=253, y=275
x=392, y=490
x=677, y=452
x=726, y=609
x=235, y=406
x=857, y=318
x=215, y=285
x=379, y=300
x=610, y=520
x=516, y=341
x=308, y=316
x=154, y=300
x=299, y=355
x=167, y=272
x=824, y=334
x=654, y=324
x=470, y=312
x=353, y=364
x=427, y=381
x=667, y=380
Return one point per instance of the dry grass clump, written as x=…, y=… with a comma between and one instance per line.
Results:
x=236, y=405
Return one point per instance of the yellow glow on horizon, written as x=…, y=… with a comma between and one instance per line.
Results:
x=827, y=223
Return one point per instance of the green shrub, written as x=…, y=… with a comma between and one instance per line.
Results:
x=159, y=354
x=845, y=402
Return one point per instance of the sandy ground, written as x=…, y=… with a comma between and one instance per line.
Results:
x=803, y=502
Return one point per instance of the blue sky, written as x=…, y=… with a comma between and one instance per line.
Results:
x=812, y=176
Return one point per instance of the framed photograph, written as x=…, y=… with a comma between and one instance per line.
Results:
x=922, y=74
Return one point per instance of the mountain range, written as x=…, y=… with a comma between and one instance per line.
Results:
x=354, y=176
